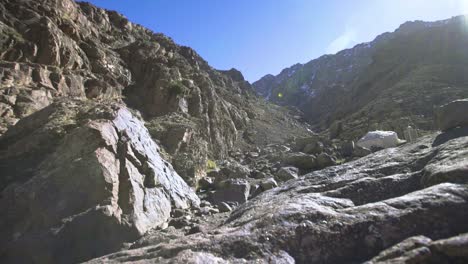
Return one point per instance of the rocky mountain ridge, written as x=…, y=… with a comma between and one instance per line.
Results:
x=56, y=49
x=378, y=85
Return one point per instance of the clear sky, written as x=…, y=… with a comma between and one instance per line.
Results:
x=264, y=36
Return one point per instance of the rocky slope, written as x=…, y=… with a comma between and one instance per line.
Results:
x=342, y=214
x=389, y=83
x=117, y=145
x=52, y=48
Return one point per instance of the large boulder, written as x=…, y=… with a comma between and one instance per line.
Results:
x=452, y=115
x=78, y=180
x=232, y=191
x=379, y=140
x=300, y=160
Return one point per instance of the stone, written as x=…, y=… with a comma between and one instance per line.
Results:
x=232, y=190
x=177, y=213
x=180, y=222
x=361, y=152
x=301, y=143
x=452, y=115
x=286, y=174
x=347, y=148
x=300, y=160
x=268, y=184
x=324, y=160
x=205, y=183
x=379, y=139
x=313, y=148
x=230, y=170
x=96, y=181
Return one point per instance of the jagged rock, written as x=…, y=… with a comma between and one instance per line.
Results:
x=232, y=190
x=411, y=250
x=421, y=249
x=452, y=115
x=286, y=174
x=78, y=180
x=379, y=140
x=300, y=160
x=342, y=214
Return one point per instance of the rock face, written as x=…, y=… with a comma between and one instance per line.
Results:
x=78, y=180
x=452, y=115
x=390, y=83
x=421, y=249
x=343, y=214
x=62, y=48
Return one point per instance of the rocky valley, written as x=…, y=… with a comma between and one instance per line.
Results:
x=119, y=146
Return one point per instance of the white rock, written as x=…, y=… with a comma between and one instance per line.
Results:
x=380, y=139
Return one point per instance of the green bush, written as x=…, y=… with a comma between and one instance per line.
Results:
x=210, y=165
x=177, y=88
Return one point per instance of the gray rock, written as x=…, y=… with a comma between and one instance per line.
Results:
x=268, y=184
x=300, y=160
x=286, y=174
x=324, y=160
x=232, y=190
x=313, y=148
x=361, y=152
x=98, y=182
x=452, y=115
x=420, y=249
x=345, y=213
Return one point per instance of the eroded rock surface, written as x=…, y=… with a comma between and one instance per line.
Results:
x=78, y=180
x=342, y=214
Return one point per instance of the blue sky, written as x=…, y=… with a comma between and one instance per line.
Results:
x=264, y=36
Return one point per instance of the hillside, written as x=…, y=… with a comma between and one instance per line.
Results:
x=389, y=83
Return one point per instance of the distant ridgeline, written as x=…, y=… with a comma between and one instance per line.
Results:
x=389, y=83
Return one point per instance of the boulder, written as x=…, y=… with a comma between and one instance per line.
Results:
x=300, y=160
x=313, y=148
x=78, y=180
x=286, y=174
x=230, y=170
x=231, y=191
x=324, y=160
x=452, y=115
x=379, y=140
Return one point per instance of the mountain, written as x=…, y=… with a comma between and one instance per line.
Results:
x=118, y=146
x=389, y=83
x=60, y=49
